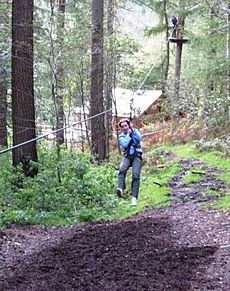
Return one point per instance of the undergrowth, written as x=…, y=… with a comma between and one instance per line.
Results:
x=72, y=189
x=67, y=191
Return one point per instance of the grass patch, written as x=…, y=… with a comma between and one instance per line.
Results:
x=150, y=196
x=212, y=158
x=194, y=175
x=225, y=176
x=214, y=192
x=154, y=192
x=223, y=203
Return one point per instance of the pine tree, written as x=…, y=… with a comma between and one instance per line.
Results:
x=98, y=135
x=23, y=111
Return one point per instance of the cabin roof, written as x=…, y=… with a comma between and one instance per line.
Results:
x=135, y=102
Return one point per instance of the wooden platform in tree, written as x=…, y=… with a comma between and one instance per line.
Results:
x=178, y=40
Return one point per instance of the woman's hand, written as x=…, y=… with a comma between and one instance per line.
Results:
x=130, y=131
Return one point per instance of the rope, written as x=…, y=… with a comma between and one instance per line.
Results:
x=52, y=132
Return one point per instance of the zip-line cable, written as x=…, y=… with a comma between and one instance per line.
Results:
x=139, y=88
x=52, y=132
x=146, y=77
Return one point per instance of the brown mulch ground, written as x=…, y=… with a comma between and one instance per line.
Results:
x=183, y=247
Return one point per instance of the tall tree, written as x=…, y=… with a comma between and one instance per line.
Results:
x=166, y=60
x=228, y=60
x=98, y=135
x=23, y=112
x=214, y=12
x=179, y=40
x=3, y=104
x=5, y=39
x=179, y=46
x=59, y=76
x=109, y=65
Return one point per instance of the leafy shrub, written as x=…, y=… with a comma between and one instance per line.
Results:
x=67, y=190
x=218, y=144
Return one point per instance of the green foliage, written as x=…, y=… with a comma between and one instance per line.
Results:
x=204, y=82
x=217, y=144
x=75, y=56
x=125, y=56
x=86, y=190
x=159, y=169
x=223, y=203
x=215, y=192
x=72, y=190
x=155, y=30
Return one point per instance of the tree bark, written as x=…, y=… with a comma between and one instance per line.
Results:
x=228, y=62
x=98, y=134
x=166, y=61
x=3, y=105
x=109, y=84
x=83, y=102
x=59, y=76
x=212, y=54
x=228, y=51
x=179, y=46
x=23, y=111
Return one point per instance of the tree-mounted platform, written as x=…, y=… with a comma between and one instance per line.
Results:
x=178, y=40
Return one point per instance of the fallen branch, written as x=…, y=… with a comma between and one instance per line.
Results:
x=157, y=183
x=160, y=166
x=198, y=172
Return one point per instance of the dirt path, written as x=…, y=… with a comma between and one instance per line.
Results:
x=183, y=247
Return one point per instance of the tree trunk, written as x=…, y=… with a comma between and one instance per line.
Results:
x=83, y=102
x=23, y=111
x=59, y=76
x=228, y=51
x=179, y=46
x=177, y=71
x=3, y=105
x=109, y=84
x=228, y=62
x=98, y=134
x=166, y=61
x=212, y=54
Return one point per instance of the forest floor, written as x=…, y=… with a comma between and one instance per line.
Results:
x=182, y=247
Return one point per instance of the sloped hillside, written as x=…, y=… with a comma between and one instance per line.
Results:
x=183, y=247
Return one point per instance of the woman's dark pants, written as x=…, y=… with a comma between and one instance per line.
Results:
x=136, y=164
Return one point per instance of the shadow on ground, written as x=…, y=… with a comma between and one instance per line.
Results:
x=137, y=254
